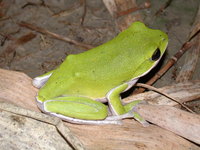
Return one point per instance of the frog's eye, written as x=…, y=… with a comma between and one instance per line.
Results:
x=156, y=55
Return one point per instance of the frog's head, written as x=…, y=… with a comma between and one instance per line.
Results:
x=151, y=47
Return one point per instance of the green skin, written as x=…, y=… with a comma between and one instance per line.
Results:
x=74, y=91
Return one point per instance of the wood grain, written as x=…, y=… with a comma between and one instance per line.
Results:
x=16, y=88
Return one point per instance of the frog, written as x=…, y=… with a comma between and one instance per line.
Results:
x=86, y=88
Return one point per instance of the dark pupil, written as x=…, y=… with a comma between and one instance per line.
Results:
x=156, y=55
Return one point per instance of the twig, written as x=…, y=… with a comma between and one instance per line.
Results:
x=70, y=10
x=3, y=41
x=18, y=42
x=11, y=48
x=41, y=3
x=163, y=7
x=128, y=11
x=8, y=36
x=29, y=4
x=184, y=92
x=54, y=35
x=84, y=12
x=163, y=93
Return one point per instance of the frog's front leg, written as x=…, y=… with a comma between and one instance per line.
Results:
x=117, y=108
x=41, y=80
x=79, y=110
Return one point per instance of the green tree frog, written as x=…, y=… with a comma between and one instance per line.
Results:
x=77, y=90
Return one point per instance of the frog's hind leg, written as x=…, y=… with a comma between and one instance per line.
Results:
x=41, y=80
x=79, y=110
x=118, y=109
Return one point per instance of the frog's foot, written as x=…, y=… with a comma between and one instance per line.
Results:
x=131, y=108
x=79, y=110
x=118, y=109
x=39, y=81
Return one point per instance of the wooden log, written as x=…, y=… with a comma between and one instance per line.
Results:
x=36, y=127
x=183, y=92
x=16, y=88
x=121, y=11
x=178, y=121
x=129, y=135
x=192, y=57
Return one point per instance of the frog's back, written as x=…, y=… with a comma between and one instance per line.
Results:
x=95, y=72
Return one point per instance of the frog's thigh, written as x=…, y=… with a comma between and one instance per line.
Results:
x=114, y=99
x=41, y=80
x=76, y=107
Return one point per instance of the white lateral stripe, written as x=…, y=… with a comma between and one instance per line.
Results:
x=81, y=121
